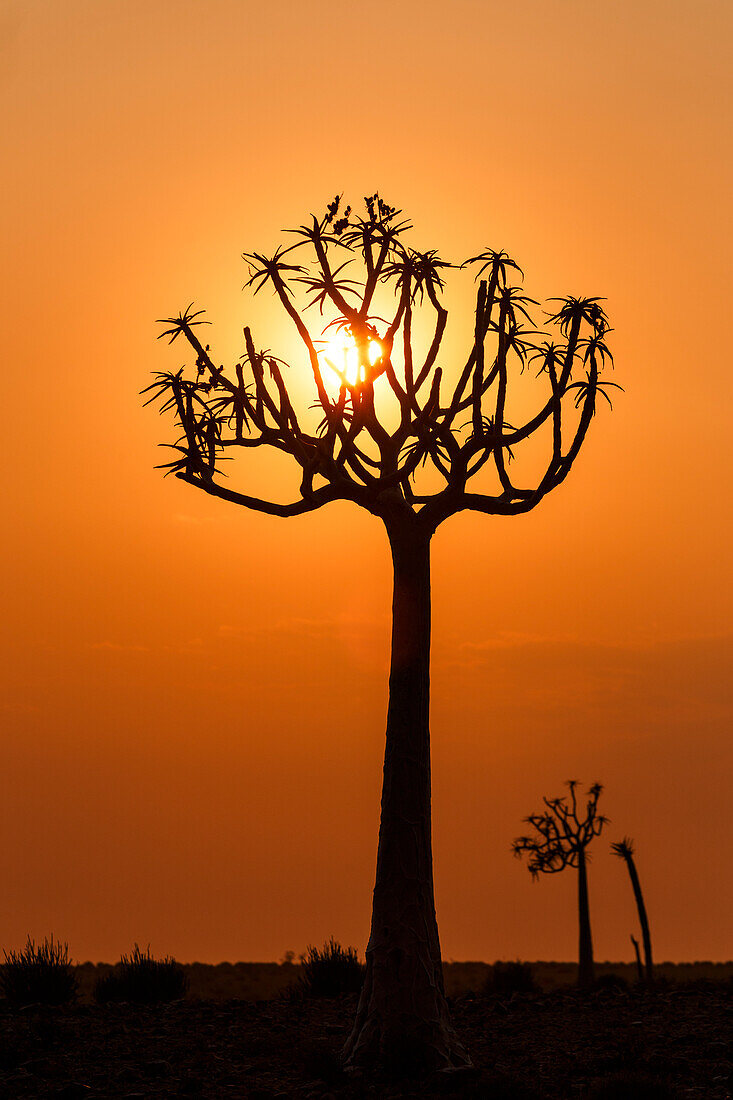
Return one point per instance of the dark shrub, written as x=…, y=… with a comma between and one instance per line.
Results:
x=331, y=971
x=510, y=977
x=39, y=974
x=141, y=978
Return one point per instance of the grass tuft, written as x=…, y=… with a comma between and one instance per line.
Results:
x=331, y=971
x=39, y=974
x=143, y=979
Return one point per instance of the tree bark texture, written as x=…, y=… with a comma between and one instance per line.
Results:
x=402, y=1020
x=585, y=942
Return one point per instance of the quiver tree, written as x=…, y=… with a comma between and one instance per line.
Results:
x=374, y=425
x=624, y=849
x=561, y=840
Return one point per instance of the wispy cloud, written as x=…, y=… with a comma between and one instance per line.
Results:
x=510, y=639
x=325, y=626
x=185, y=645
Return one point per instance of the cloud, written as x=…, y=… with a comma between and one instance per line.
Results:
x=132, y=647
x=681, y=684
x=509, y=639
x=303, y=627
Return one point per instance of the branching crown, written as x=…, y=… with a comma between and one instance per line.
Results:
x=340, y=263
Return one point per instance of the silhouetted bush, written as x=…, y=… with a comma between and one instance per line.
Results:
x=331, y=971
x=39, y=974
x=511, y=977
x=141, y=978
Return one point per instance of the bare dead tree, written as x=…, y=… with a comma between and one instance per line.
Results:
x=561, y=840
x=374, y=429
x=637, y=953
x=624, y=849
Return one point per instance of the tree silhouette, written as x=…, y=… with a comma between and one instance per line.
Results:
x=639, y=967
x=561, y=840
x=624, y=849
x=375, y=426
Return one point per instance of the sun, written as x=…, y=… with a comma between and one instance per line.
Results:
x=341, y=358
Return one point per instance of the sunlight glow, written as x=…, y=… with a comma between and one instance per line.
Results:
x=341, y=357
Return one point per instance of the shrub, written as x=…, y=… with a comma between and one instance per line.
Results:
x=331, y=971
x=40, y=974
x=511, y=977
x=141, y=978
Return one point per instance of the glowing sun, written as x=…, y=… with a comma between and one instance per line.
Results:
x=341, y=357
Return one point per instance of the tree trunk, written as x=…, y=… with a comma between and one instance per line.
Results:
x=643, y=920
x=402, y=1020
x=585, y=943
x=639, y=968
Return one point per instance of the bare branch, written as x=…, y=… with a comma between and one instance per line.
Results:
x=561, y=837
x=353, y=449
x=317, y=499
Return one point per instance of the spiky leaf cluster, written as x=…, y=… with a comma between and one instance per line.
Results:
x=340, y=263
x=624, y=849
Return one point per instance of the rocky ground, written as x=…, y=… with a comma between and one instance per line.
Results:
x=609, y=1045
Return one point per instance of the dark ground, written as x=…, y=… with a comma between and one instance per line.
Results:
x=610, y=1045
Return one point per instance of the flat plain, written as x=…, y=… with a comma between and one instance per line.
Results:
x=236, y=1034
x=258, y=981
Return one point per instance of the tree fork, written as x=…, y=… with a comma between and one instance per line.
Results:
x=402, y=1013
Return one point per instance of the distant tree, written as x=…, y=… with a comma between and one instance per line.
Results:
x=561, y=840
x=637, y=953
x=624, y=849
x=376, y=423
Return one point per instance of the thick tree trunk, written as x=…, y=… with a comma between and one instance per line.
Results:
x=402, y=1019
x=643, y=919
x=585, y=943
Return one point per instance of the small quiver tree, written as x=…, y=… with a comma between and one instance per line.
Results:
x=561, y=840
x=624, y=849
x=372, y=428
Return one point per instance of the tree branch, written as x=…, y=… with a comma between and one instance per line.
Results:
x=317, y=499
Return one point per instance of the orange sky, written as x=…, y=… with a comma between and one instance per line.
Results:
x=194, y=696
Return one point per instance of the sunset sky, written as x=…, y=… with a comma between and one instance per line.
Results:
x=194, y=696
